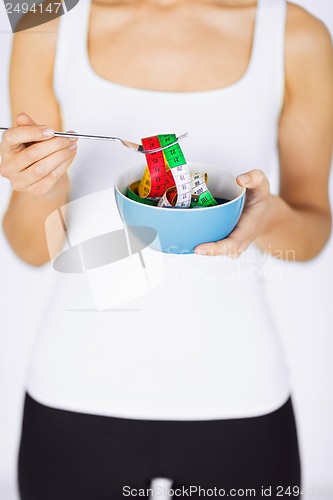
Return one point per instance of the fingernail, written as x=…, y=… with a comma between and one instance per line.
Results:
x=71, y=138
x=48, y=132
x=244, y=178
x=72, y=147
x=200, y=251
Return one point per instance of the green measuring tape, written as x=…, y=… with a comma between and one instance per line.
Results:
x=167, y=182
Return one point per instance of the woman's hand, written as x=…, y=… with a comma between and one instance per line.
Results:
x=34, y=160
x=253, y=221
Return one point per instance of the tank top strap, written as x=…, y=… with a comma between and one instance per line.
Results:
x=268, y=55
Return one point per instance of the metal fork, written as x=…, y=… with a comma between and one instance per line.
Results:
x=131, y=145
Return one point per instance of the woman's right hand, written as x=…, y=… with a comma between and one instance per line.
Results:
x=34, y=160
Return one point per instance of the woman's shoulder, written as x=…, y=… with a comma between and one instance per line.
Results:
x=305, y=32
x=308, y=50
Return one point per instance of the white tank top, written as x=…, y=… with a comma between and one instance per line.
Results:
x=201, y=344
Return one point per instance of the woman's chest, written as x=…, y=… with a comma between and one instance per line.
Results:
x=198, y=47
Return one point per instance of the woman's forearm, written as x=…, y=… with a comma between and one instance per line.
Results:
x=36, y=163
x=24, y=226
x=294, y=233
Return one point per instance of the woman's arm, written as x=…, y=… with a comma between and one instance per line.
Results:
x=37, y=172
x=296, y=224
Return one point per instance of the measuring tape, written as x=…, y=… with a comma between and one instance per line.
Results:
x=166, y=181
x=145, y=189
x=155, y=180
x=160, y=165
x=133, y=194
x=201, y=196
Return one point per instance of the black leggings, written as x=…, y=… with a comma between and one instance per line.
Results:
x=66, y=455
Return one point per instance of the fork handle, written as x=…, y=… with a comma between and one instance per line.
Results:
x=79, y=136
x=86, y=136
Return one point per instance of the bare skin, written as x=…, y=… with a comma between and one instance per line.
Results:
x=209, y=46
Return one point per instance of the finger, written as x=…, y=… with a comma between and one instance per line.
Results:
x=43, y=168
x=21, y=119
x=24, y=119
x=256, y=181
x=45, y=185
x=228, y=247
x=247, y=228
x=40, y=150
x=24, y=134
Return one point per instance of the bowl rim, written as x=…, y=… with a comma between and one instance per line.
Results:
x=176, y=209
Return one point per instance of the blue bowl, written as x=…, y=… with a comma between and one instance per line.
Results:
x=180, y=230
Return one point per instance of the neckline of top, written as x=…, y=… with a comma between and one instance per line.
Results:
x=121, y=87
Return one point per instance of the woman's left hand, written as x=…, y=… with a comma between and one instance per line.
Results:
x=252, y=222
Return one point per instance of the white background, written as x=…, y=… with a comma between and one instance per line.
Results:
x=301, y=299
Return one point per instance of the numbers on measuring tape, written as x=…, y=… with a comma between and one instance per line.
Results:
x=167, y=178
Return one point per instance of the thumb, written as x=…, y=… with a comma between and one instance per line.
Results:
x=24, y=119
x=255, y=181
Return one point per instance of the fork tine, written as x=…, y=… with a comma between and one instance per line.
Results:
x=139, y=147
x=179, y=138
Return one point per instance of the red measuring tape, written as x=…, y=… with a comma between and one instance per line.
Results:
x=167, y=179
